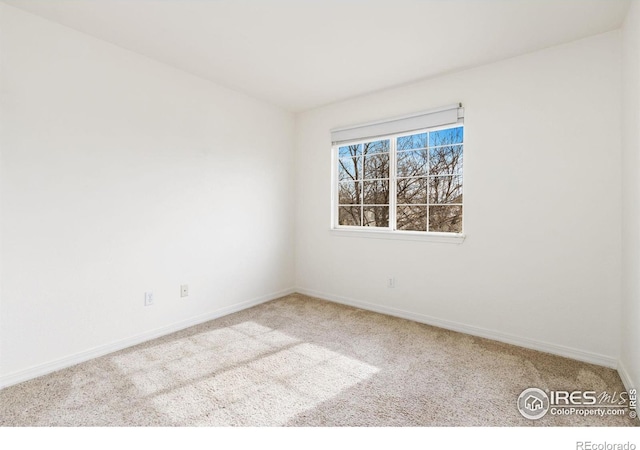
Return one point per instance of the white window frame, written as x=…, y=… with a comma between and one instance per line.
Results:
x=390, y=232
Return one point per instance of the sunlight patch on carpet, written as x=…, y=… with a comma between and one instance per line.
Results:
x=246, y=374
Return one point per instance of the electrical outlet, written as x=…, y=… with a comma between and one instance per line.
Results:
x=148, y=298
x=184, y=290
x=391, y=282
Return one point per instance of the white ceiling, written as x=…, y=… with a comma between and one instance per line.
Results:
x=300, y=54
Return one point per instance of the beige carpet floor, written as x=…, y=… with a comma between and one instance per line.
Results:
x=299, y=361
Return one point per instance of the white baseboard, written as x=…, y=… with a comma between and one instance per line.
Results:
x=625, y=377
x=68, y=361
x=555, y=349
x=568, y=352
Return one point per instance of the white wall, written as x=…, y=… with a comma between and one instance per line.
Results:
x=121, y=175
x=541, y=262
x=630, y=355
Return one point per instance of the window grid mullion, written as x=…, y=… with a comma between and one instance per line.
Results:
x=336, y=189
x=392, y=183
x=428, y=179
x=362, y=187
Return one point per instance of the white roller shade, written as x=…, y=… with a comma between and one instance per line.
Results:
x=427, y=119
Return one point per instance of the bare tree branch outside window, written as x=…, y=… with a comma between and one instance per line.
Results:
x=428, y=179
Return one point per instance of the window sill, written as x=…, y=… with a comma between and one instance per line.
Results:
x=446, y=238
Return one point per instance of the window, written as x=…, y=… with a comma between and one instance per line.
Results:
x=409, y=181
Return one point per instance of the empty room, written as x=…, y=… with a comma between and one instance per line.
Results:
x=286, y=213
